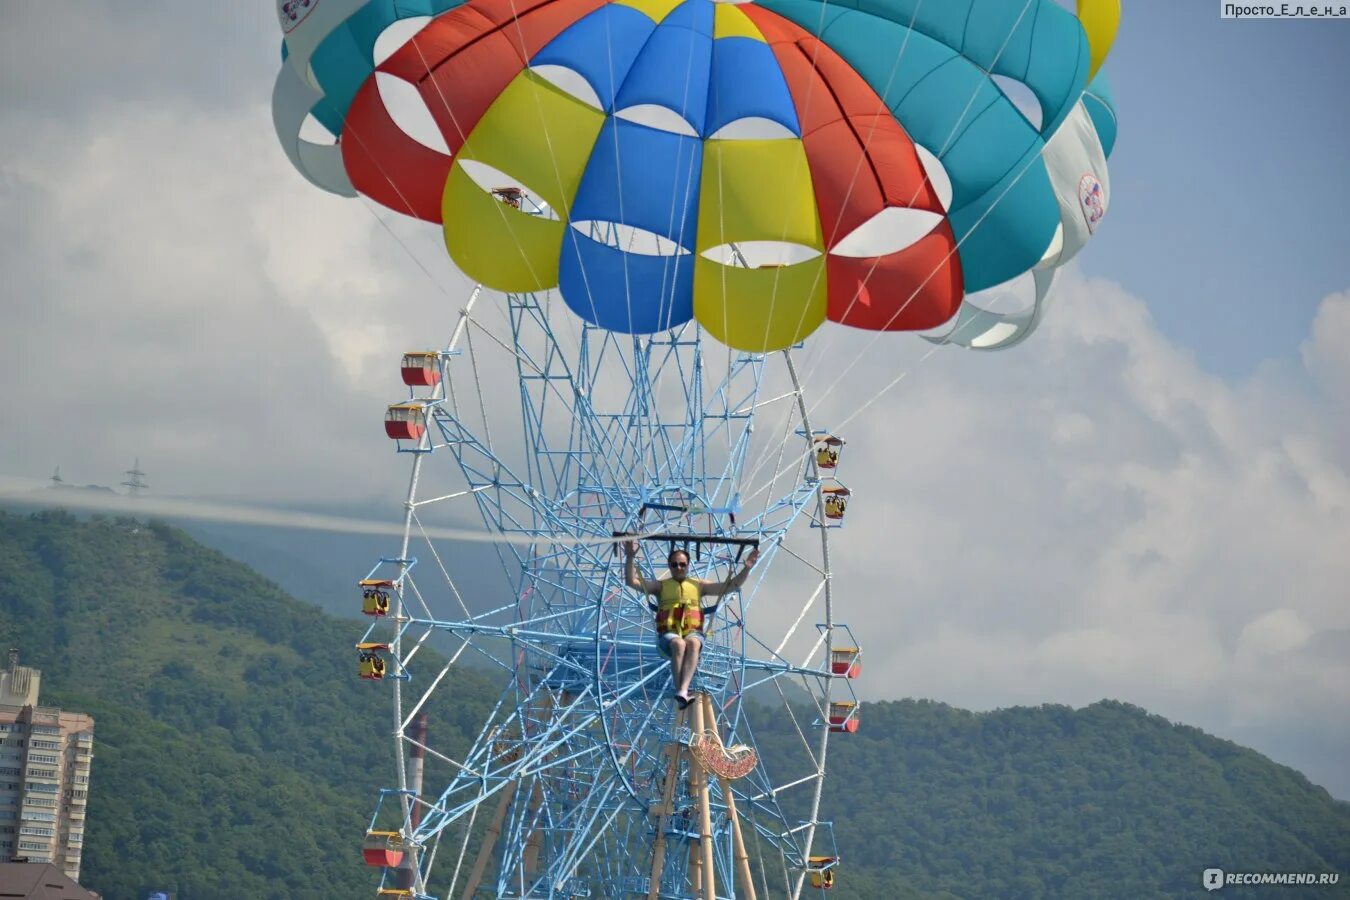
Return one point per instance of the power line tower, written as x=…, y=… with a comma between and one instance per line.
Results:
x=56, y=478
x=135, y=482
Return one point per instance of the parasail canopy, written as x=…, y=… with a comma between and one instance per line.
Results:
x=760, y=167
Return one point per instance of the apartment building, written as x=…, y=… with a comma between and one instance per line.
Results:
x=45, y=755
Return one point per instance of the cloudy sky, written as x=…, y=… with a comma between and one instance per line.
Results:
x=1149, y=501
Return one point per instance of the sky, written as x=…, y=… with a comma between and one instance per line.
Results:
x=1149, y=501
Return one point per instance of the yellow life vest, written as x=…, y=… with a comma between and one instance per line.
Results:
x=680, y=609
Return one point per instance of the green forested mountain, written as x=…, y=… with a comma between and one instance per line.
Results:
x=238, y=756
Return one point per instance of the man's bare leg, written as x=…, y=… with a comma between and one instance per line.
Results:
x=677, y=647
x=693, y=650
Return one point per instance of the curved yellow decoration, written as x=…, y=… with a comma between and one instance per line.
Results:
x=540, y=138
x=1100, y=19
x=758, y=191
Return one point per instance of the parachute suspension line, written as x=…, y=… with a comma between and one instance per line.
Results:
x=871, y=341
x=856, y=358
x=459, y=598
x=810, y=90
x=956, y=127
x=819, y=346
x=495, y=460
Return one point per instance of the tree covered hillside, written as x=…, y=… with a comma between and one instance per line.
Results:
x=1104, y=801
x=237, y=755
x=236, y=752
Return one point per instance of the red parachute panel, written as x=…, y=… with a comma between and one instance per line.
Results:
x=862, y=161
x=460, y=62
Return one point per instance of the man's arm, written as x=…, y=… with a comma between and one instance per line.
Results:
x=720, y=588
x=631, y=577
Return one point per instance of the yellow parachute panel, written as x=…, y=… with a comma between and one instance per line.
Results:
x=539, y=138
x=758, y=310
x=728, y=21
x=502, y=247
x=656, y=10
x=539, y=135
x=758, y=190
x=1100, y=19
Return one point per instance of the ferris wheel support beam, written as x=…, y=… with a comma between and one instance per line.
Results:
x=675, y=750
x=742, y=859
x=699, y=776
x=480, y=862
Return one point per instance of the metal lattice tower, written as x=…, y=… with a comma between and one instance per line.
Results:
x=135, y=482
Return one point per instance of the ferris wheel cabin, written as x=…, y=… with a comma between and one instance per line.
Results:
x=405, y=421
x=836, y=502
x=844, y=716
x=821, y=869
x=846, y=661
x=375, y=596
x=370, y=664
x=382, y=848
x=421, y=368
x=827, y=448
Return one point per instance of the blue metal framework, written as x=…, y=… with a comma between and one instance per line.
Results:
x=572, y=770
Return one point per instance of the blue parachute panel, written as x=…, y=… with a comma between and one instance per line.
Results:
x=672, y=69
x=696, y=15
x=601, y=46
x=625, y=292
x=747, y=82
x=642, y=177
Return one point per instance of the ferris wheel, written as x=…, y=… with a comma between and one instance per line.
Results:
x=669, y=196
x=586, y=779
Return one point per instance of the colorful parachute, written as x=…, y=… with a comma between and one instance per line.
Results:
x=759, y=166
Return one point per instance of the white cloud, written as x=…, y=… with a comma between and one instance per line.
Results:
x=1093, y=515
x=175, y=292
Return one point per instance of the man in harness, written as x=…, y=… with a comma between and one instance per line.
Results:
x=680, y=613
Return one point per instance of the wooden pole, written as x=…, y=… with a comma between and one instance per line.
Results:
x=531, y=854
x=695, y=868
x=704, y=809
x=737, y=841
x=663, y=811
x=494, y=831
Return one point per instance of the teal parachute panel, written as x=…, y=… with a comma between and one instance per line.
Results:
x=934, y=75
x=1101, y=106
